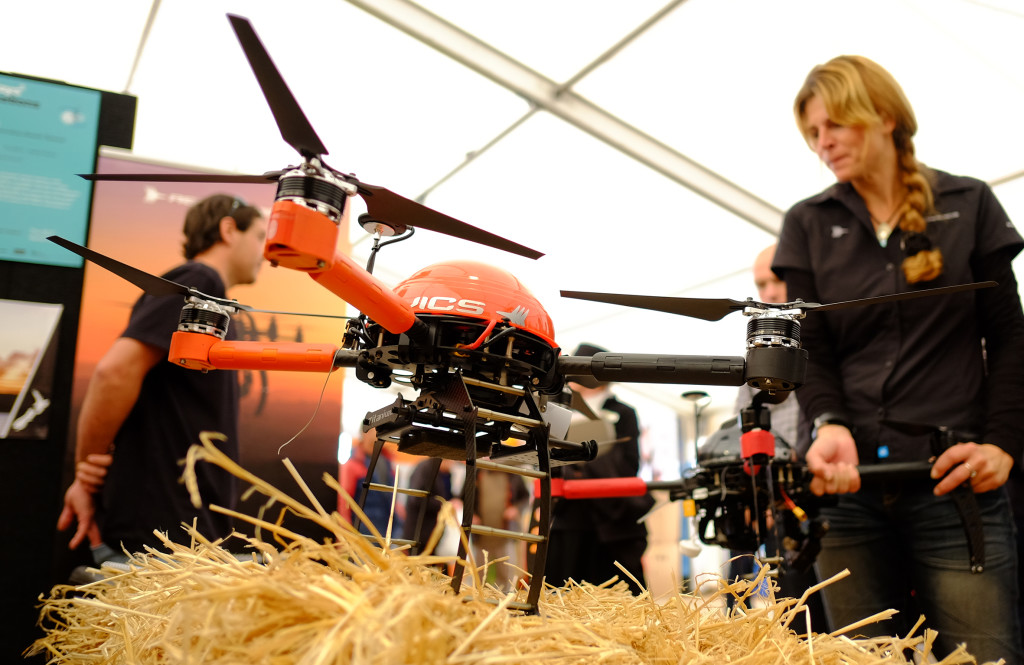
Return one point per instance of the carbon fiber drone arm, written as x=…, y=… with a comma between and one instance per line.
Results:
x=778, y=368
x=652, y=368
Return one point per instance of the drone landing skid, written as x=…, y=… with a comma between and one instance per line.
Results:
x=446, y=422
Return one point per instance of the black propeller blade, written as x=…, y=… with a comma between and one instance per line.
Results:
x=266, y=178
x=158, y=286
x=709, y=309
x=151, y=284
x=381, y=203
x=909, y=295
x=295, y=128
x=713, y=309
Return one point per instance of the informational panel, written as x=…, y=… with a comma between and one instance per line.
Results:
x=47, y=136
x=27, y=356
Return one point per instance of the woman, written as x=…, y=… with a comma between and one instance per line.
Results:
x=890, y=225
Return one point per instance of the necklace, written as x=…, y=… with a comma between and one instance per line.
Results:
x=885, y=229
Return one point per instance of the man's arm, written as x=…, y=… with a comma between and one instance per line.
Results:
x=112, y=392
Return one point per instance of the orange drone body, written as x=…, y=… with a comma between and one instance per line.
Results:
x=476, y=290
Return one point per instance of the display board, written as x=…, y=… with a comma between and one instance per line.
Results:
x=48, y=135
x=27, y=356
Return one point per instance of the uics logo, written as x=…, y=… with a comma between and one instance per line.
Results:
x=448, y=304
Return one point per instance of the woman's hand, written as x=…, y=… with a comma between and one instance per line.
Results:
x=985, y=466
x=832, y=458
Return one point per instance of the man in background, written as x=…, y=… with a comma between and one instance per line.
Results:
x=784, y=419
x=141, y=413
x=772, y=290
x=422, y=513
x=589, y=535
x=376, y=504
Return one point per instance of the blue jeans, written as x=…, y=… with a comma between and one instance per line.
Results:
x=906, y=549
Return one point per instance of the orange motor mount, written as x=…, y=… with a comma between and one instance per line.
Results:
x=302, y=231
x=202, y=324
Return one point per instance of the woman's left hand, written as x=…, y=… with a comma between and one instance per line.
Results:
x=985, y=466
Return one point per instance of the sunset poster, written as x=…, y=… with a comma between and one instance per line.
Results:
x=140, y=224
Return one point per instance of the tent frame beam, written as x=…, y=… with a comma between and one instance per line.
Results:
x=562, y=102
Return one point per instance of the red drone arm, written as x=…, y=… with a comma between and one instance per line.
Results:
x=598, y=488
x=350, y=282
x=304, y=239
x=205, y=352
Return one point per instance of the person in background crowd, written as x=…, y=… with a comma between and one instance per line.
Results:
x=141, y=413
x=784, y=418
x=429, y=507
x=589, y=535
x=879, y=376
x=377, y=504
x=772, y=290
x=501, y=500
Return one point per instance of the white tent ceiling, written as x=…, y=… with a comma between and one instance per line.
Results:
x=646, y=147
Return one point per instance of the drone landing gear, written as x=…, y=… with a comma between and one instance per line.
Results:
x=450, y=421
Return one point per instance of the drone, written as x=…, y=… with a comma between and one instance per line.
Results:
x=748, y=489
x=472, y=341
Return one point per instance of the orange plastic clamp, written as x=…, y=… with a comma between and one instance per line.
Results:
x=300, y=238
x=191, y=349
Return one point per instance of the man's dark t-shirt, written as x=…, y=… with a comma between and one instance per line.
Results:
x=143, y=490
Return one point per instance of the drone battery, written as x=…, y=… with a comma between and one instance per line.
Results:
x=300, y=238
x=439, y=443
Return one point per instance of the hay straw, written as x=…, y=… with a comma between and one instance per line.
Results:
x=353, y=600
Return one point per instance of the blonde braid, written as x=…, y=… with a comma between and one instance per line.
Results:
x=923, y=262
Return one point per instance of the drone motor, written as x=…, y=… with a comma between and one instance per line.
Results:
x=773, y=328
x=776, y=362
x=316, y=188
x=205, y=316
x=202, y=324
x=302, y=231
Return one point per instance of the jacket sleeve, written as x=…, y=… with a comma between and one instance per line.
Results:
x=822, y=390
x=1002, y=327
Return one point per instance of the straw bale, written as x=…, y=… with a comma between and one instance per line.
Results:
x=348, y=599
